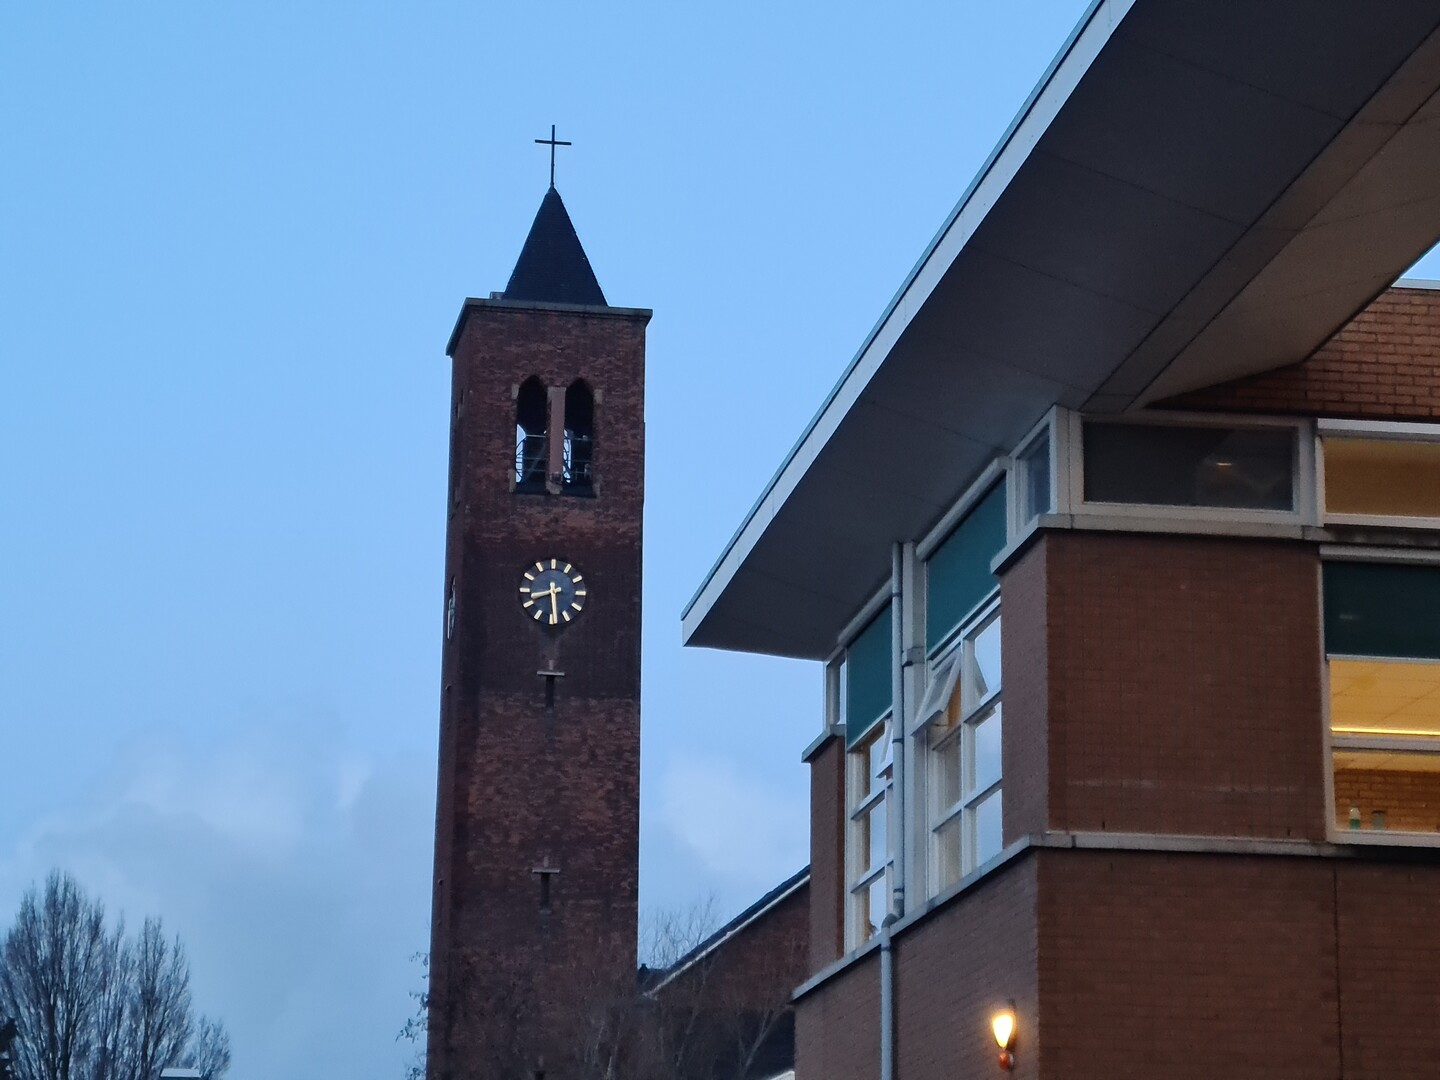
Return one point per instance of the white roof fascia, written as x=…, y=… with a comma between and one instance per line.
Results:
x=1050, y=94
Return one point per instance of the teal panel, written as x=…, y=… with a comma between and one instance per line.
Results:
x=867, y=677
x=1382, y=609
x=958, y=574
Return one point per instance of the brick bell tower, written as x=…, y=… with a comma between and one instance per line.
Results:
x=537, y=822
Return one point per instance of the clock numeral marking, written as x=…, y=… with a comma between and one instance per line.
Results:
x=540, y=566
x=553, y=562
x=529, y=576
x=580, y=592
x=529, y=603
x=537, y=615
x=567, y=568
x=565, y=615
x=579, y=578
x=574, y=605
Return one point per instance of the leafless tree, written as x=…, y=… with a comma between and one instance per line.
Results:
x=209, y=1051
x=92, y=1004
x=691, y=1013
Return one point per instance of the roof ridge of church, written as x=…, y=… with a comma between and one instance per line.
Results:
x=553, y=267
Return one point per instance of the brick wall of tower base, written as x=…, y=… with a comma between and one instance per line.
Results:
x=1137, y=965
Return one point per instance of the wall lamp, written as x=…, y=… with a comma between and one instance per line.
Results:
x=1002, y=1026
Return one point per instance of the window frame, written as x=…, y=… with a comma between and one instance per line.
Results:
x=860, y=874
x=1377, y=431
x=1358, y=741
x=1021, y=515
x=947, y=677
x=1302, y=477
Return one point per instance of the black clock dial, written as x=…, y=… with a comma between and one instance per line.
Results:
x=552, y=592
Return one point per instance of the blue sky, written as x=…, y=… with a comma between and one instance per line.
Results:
x=233, y=241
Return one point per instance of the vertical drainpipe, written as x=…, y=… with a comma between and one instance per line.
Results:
x=895, y=818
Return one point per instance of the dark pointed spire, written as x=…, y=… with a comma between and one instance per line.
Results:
x=552, y=267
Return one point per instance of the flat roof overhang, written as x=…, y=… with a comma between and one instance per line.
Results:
x=1193, y=192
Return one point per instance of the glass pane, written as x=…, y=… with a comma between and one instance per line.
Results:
x=945, y=774
x=1384, y=697
x=985, y=659
x=1382, y=790
x=1035, y=465
x=878, y=754
x=1244, y=468
x=877, y=839
x=879, y=902
x=867, y=673
x=1382, y=477
x=957, y=575
x=947, y=854
x=1382, y=609
x=986, y=755
x=988, y=838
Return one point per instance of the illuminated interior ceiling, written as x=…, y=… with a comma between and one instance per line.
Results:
x=1385, y=697
x=1382, y=477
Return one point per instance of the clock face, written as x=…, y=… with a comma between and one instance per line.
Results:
x=552, y=592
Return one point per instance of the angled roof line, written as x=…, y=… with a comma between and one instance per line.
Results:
x=980, y=177
x=552, y=266
x=733, y=927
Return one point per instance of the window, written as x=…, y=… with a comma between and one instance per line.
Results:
x=961, y=714
x=1377, y=477
x=1032, y=467
x=867, y=705
x=957, y=573
x=578, y=456
x=1189, y=465
x=1382, y=645
x=867, y=847
x=531, y=405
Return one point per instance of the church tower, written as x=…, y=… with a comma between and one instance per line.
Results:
x=537, y=819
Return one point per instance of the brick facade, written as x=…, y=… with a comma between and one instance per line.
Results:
x=1174, y=904
x=1177, y=689
x=522, y=785
x=1383, y=365
x=827, y=852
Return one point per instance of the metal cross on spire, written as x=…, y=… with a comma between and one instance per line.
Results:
x=552, y=142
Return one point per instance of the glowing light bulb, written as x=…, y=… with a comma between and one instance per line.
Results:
x=1003, y=1025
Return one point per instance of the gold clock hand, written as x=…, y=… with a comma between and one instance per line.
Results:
x=554, y=615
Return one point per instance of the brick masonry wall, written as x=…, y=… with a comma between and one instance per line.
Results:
x=1188, y=967
x=1183, y=685
x=733, y=1002
x=523, y=786
x=1025, y=762
x=956, y=969
x=1388, y=942
x=837, y=1026
x=1410, y=800
x=827, y=854
x=1383, y=365
x=1197, y=966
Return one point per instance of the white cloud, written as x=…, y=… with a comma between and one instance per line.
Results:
x=296, y=871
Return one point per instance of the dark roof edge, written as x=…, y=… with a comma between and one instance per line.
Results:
x=735, y=925
x=500, y=303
